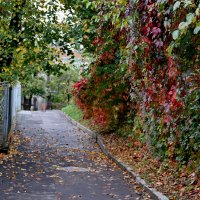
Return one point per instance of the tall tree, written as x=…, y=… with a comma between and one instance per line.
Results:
x=32, y=37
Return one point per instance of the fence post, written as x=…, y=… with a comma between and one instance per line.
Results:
x=10, y=103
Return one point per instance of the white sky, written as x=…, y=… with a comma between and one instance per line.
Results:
x=61, y=13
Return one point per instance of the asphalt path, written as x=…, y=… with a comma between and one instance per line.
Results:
x=55, y=160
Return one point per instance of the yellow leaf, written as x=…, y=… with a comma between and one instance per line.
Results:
x=36, y=50
x=51, y=62
x=5, y=69
x=71, y=40
x=18, y=49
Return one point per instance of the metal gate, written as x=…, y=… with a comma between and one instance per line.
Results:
x=5, y=116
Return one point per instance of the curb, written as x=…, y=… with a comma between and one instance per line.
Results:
x=79, y=125
x=152, y=192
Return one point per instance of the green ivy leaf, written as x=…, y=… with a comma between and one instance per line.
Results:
x=169, y=49
x=176, y=5
x=197, y=29
x=189, y=18
x=175, y=34
x=88, y=4
x=183, y=25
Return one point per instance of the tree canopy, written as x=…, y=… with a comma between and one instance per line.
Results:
x=32, y=38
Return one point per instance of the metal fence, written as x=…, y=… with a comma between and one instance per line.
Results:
x=10, y=103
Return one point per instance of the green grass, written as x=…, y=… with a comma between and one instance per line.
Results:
x=73, y=111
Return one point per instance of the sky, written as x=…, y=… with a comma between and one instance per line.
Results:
x=61, y=12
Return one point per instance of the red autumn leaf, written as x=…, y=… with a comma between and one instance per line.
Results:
x=155, y=31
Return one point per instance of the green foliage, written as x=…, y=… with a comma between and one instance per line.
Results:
x=36, y=86
x=146, y=69
x=60, y=87
x=29, y=33
x=73, y=111
x=189, y=127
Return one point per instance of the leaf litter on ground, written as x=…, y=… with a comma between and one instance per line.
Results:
x=165, y=177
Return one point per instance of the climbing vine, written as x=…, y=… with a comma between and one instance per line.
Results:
x=145, y=73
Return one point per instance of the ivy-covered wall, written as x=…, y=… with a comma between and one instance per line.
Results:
x=145, y=73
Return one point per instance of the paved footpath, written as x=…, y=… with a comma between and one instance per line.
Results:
x=55, y=160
